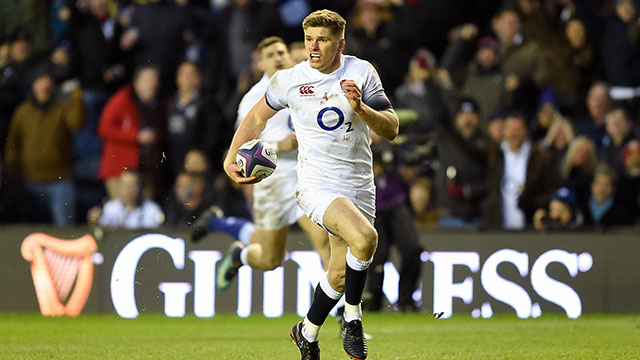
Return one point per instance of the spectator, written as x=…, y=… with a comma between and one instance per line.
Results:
x=98, y=65
x=563, y=212
x=423, y=100
x=598, y=104
x=618, y=134
x=558, y=138
x=486, y=82
x=583, y=63
x=520, y=56
x=163, y=45
x=194, y=121
x=546, y=114
x=132, y=129
x=461, y=178
x=603, y=206
x=629, y=183
x=190, y=197
x=395, y=226
x=578, y=166
x=131, y=210
x=182, y=115
x=495, y=126
x=521, y=177
x=369, y=40
x=620, y=46
x=15, y=75
x=38, y=149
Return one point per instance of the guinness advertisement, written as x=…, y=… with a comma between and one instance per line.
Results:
x=68, y=271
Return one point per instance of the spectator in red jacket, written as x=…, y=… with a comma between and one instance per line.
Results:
x=132, y=127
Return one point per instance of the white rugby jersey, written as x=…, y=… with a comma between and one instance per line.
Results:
x=333, y=142
x=278, y=128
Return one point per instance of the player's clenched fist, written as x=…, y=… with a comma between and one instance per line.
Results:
x=353, y=93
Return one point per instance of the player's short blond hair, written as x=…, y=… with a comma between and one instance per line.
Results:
x=326, y=18
x=268, y=42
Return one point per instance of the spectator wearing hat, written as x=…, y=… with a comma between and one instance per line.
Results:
x=476, y=70
x=422, y=101
x=38, y=149
x=547, y=112
x=629, y=183
x=424, y=92
x=521, y=177
x=562, y=212
x=486, y=81
x=461, y=179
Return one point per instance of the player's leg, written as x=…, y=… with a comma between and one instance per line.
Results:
x=213, y=219
x=319, y=239
x=344, y=219
x=326, y=296
x=266, y=250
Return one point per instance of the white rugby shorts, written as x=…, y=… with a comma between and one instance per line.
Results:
x=314, y=201
x=274, y=203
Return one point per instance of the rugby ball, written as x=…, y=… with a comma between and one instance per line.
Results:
x=256, y=158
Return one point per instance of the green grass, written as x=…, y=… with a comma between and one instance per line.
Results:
x=395, y=336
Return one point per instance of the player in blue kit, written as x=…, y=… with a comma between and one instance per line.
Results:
x=333, y=100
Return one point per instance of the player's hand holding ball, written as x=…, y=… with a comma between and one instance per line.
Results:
x=254, y=161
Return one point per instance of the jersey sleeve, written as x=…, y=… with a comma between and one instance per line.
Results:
x=372, y=91
x=275, y=95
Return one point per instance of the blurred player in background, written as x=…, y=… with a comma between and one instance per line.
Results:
x=298, y=52
x=333, y=100
x=274, y=205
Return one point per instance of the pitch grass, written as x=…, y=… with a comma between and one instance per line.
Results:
x=395, y=336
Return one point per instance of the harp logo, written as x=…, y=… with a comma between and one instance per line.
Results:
x=58, y=267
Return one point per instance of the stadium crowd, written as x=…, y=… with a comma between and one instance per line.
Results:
x=515, y=114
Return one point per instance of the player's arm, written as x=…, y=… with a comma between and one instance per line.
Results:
x=249, y=129
x=383, y=122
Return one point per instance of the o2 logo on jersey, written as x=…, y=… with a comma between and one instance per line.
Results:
x=323, y=125
x=306, y=90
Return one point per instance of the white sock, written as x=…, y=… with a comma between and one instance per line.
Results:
x=310, y=330
x=246, y=232
x=352, y=312
x=244, y=255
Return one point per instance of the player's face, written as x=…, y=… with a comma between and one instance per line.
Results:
x=275, y=57
x=324, y=48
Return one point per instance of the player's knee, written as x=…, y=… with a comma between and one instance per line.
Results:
x=271, y=262
x=336, y=280
x=366, y=242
